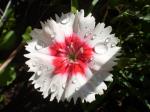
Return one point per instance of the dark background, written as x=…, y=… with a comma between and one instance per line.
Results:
x=130, y=90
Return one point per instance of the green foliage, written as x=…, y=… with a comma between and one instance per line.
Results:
x=74, y=6
x=7, y=76
x=7, y=37
x=26, y=36
x=7, y=40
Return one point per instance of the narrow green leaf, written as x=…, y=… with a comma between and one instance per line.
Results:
x=74, y=6
x=1, y=98
x=94, y=2
x=26, y=36
x=7, y=40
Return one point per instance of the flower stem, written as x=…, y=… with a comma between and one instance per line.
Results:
x=11, y=57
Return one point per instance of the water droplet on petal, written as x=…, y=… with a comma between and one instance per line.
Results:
x=65, y=21
x=77, y=88
x=87, y=34
x=113, y=44
x=94, y=36
x=52, y=36
x=38, y=47
x=39, y=73
x=48, y=68
x=100, y=48
x=53, y=88
x=63, y=86
x=74, y=80
x=107, y=40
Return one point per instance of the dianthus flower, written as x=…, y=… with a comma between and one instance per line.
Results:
x=71, y=57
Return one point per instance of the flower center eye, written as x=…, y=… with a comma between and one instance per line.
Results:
x=72, y=56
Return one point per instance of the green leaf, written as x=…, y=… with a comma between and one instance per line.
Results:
x=7, y=76
x=8, y=40
x=1, y=98
x=146, y=17
x=26, y=36
x=74, y=6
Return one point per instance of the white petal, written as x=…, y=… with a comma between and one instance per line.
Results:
x=31, y=46
x=39, y=61
x=57, y=86
x=109, y=78
x=90, y=97
x=101, y=35
x=66, y=23
x=95, y=81
x=99, y=28
x=71, y=88
x=57, y=31
x=57, y=18
x=103, y=58
x=106, y=61
x=43, y=39
x=47, y=32
x=44, y=51
x=84, y=25
x=43, y=82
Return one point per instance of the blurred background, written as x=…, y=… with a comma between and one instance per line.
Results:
x=130, y=19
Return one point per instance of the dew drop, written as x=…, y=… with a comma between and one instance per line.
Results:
x=65, y=21
x=37, y=47
x=48, y=68
x=63, y=86
x=52, y=36
x=107, y=40
x=77, y=88
x=113, y=44
x=39, y=73
x=94, y=36
x=87, y=34
x=47, y=30
x=74, y=80
x=101, y=48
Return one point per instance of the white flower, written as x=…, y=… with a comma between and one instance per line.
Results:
x=71, y=57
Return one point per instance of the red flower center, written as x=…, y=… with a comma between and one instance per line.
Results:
x=71, y=56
